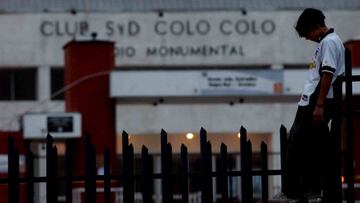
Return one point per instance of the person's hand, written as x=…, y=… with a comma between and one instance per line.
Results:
x=318, y=114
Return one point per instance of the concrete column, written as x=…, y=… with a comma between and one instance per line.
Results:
x=274, y=162
x=43, y=88
x=43, y=82
x=39, y=150
x=157, y=182
x=214, y=178
x=87, y=68
x=238, y=179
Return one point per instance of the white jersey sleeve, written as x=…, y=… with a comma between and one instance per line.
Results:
x=329, y=56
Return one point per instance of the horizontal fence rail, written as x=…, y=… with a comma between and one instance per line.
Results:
x=127, y=176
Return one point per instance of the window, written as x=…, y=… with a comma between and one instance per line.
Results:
x=18, y=84
x=57, y=82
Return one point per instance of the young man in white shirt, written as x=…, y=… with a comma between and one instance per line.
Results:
x=309, y=145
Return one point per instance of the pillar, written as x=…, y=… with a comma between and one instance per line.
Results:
x=87, y=68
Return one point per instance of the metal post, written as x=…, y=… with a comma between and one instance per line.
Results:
x=264, y=177
x=146, y=172
x=245, y=190
x=349, y=170
x=223, y=174
x=68, y=172
x=283, y=152
x=90, y=171
x=13, y=171
x=165, y=184
x=51, y=170
x=170, y=194
x=204, y=173
x=333, y=186
x=128, y=169
x=249, y=172
x=184, y=174
x=209, y=188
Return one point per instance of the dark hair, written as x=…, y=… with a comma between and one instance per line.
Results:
x=308, y=20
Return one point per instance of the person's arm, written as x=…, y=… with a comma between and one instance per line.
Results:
x=325, y=83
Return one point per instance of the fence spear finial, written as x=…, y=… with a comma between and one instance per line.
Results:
x=202, y=130
x=163, y=132
x=243, y=133
x=125, y=138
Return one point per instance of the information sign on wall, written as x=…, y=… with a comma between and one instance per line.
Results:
x=139, y=84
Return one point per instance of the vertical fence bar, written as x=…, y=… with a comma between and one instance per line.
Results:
x=51, y=170
x=249, y=170
x=231, y=165
x=147, y=181
x=283, y=152
x=30, y=176
x=349, y=169
x=334, y=189
x=131, y=181
x=264, y=177
x=13, y=172
x=125, y=175
x=54, y=152
x=90, y=171
x=203, y=165
x=224, y=174
x=184, y=174
x=245, y=190
x=170, y=172
x=209, y=172
x=128, y=169
x=68, y=172
x=107, y=174
x=204, y=173
x=165, y=170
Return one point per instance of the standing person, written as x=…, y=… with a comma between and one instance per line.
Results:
x=309, y=141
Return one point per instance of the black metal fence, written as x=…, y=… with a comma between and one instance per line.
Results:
x=127, y=176
x=345, y=115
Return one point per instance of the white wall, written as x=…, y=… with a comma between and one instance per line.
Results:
x=11, y=112
x=263, y=38
x=223, y=118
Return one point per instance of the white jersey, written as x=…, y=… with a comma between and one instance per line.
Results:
x=329, y=57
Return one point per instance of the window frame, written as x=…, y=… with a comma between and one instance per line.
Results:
x=16, y=92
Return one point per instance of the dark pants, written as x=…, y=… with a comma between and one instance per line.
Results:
x=308, y=152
